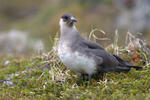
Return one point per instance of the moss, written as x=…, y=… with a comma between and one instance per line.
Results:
x=45, y=77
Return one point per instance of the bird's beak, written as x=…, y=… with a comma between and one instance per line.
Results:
x=73, y=19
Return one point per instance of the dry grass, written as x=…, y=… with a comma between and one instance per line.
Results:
x=45, y=77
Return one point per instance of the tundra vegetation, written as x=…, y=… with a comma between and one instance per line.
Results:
x=28, y=76
x=45, y=77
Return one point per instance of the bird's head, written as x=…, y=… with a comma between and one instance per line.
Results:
x=68, y=20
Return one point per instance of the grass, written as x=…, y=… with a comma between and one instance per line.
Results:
x=45, y=77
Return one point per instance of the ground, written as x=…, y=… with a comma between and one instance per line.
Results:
x=45, y=77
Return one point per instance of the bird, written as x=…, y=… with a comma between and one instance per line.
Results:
x=85, y=56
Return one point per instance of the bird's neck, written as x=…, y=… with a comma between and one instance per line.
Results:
x=68, y=32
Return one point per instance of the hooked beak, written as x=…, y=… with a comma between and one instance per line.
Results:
x=73, y=19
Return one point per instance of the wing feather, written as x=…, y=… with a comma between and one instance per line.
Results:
x=92, y=44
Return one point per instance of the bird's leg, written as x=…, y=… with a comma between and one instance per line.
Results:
x=102, y=76
x=97, y=76
x=83, y=77
x=89, y=77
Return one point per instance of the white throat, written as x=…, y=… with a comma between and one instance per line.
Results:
x=64, y=28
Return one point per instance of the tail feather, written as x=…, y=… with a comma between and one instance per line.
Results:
x=126, y=68
x=136, y=67
x=122, y=69
x=125, y=65
x=122, y=61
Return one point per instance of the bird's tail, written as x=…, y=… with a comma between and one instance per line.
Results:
x=124, y=68
x=136, y=67
x=125, y=65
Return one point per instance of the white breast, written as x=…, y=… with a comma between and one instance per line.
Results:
x=75, y=60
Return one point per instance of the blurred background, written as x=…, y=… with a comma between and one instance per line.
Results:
x=29, y=27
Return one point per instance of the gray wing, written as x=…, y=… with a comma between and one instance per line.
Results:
x=105, y=61
x=98, y=51
x=92, y=44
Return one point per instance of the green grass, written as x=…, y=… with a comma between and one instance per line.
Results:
x=45, y=77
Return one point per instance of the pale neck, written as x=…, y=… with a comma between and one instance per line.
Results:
x=67, y=31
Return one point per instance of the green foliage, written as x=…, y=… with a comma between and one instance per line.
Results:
x=45, y=77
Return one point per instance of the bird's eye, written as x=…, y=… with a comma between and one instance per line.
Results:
x=66, y=18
